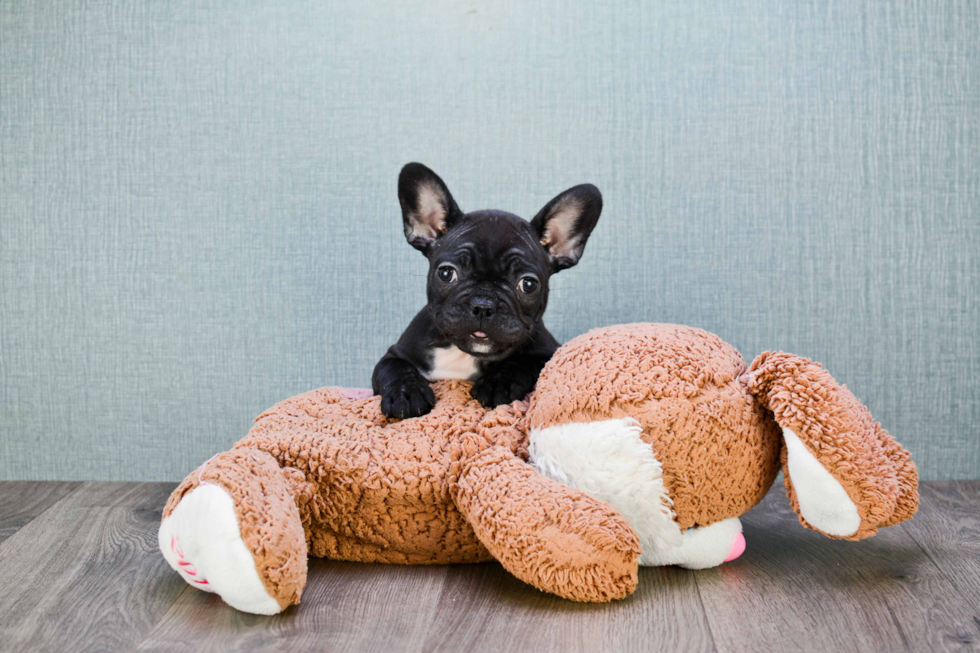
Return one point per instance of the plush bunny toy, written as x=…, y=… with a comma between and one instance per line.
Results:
x=642, y=444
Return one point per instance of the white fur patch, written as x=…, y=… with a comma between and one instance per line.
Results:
x=452, y=363
x=824, y=502
x=201, y=541
x=610, y=462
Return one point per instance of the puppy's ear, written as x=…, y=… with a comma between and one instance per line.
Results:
x=564, y=224
x=428, y=210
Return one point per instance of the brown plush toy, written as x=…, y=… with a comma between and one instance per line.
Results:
x=641, y=445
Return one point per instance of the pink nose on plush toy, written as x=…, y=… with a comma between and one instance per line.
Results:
x=738, y=548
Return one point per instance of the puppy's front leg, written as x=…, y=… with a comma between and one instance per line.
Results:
x=508, y=380
x=404, y=391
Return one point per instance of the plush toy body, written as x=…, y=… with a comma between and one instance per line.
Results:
x=642, y=444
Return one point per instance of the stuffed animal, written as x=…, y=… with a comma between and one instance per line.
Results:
x=641, y=444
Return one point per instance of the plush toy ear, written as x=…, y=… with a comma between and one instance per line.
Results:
x=564, y=224
x=428, y=209
x=844, y=474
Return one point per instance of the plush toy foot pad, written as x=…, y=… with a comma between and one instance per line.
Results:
x=202, y=542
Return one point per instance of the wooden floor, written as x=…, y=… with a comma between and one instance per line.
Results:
x=79, y=571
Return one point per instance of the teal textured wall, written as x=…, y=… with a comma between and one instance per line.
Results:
x=198, y=214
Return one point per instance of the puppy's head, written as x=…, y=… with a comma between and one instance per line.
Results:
x=489, y=270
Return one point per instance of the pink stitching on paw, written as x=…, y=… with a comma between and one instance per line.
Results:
x=188, y=568
x=191, y=570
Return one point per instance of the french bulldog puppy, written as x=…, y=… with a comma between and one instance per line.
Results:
x=487, y=291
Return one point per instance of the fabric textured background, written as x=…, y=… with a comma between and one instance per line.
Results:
x=198, y=214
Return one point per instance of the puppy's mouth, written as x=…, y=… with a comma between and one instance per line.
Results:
x=479, y=344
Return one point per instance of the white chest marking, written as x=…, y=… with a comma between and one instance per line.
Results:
x=452, y=363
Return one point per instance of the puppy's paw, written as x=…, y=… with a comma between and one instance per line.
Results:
x=502, y=384
x=411, y=398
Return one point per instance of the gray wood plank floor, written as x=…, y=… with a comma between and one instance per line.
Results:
x=79, y=571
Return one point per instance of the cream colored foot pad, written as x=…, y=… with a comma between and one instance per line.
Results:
x=201, y=541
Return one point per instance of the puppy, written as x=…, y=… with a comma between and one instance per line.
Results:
x=487, y=291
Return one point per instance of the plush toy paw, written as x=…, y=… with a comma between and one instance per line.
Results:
x=233, y=527
x=202, y=542
x=547, y=534
x=505, y=382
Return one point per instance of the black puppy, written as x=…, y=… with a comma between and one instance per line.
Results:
x=487, y=291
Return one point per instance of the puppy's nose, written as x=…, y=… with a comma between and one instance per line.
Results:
x=482, y=307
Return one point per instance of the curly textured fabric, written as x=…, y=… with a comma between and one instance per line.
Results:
x=544, y=533
x=875, y=471
x=718, y=447
x=372, y=490
x=381, y=488
x=326, y=473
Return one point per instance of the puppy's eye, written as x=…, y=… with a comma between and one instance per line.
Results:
x=446, y=273
x=528, y=285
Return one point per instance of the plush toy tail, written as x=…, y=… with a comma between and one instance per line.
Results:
x=844, y=474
